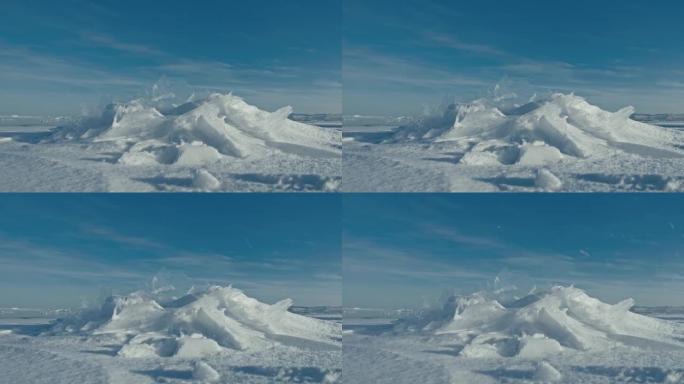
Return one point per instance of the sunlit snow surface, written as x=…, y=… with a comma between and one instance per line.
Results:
x=217, y=143
x=218, y=335
x=562, y=335
x=559, y=143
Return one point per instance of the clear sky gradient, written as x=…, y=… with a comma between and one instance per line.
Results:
x=407, y=250
x=59, y=249
x=56, y=57
x=401, y=56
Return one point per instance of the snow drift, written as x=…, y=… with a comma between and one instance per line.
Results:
x=198, y=132
x=563, y=318
x=540, y=132
x=197, y=324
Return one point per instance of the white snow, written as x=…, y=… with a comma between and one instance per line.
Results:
x=482, y=146
x=205, y=373
x=196, y=345
x=674, y=377
x=560, y=335
x=204, y=180
x=546, y=323
x=197, y=324
x=547, y=373
x=548, y=181
x=149, y=144
x=218, y=334
x=222, y=122
x=563, y=124
x=538, y=346
x=538, y=153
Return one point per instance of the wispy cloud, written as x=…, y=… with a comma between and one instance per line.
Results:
x=364, y=65
x=25, y=69
x=610, y=280
x=110, y=42
x=422, y=257
x=115, y=236
x=453, y=42
x=24, y=64
x=309, y=292
x=424, y=67
x=312, y=282
x=367, y=256
x=456, y=236
x=20, y=257
x=328, y=276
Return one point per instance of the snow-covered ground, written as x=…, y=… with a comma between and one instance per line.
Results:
x=558, y=143
x=217, y=143
x=218, y=335
x=561, y=335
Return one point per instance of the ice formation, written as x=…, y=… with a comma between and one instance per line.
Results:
x=204, y=180
x=198, y=132
x=547, y=181
x=547, y=373
x=538, y=325
x=197, y=324
x=205, y=373
x=540, y=132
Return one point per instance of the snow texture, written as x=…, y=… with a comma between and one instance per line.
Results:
x=215, y=335
x=560, y=335
x=205, y=373
x=197, y=325
x=196, y=132
x=149, y=144
x=544, y=324
x=487, y=146
x=542, y=131
x=546, y=373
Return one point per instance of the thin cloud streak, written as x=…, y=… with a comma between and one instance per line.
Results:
x=43, y=74
x=107, y=41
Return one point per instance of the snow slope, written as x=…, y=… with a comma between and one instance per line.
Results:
x=216, y=335
x=548, y=323
x=197, y=131
x=198, y=324
x=540, y=131
x=145, y=142
x=480, y=145
x=560, y=335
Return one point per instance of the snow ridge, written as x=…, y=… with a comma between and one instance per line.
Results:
x=196, y=132
x=560, y=319
x=197, y=324
x=540, y=132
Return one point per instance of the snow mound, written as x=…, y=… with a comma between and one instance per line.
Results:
x=198, y=132
x=547, y=373
x=541, y=132
x=204, y=180
x=538, y=325
x=674, y=377
x=198, y=324
x=547, y=181
x=205, y=373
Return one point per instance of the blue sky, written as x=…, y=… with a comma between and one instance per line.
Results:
x=59, y=249
x=401, y=56
x=407, y=250
x=56, y=57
